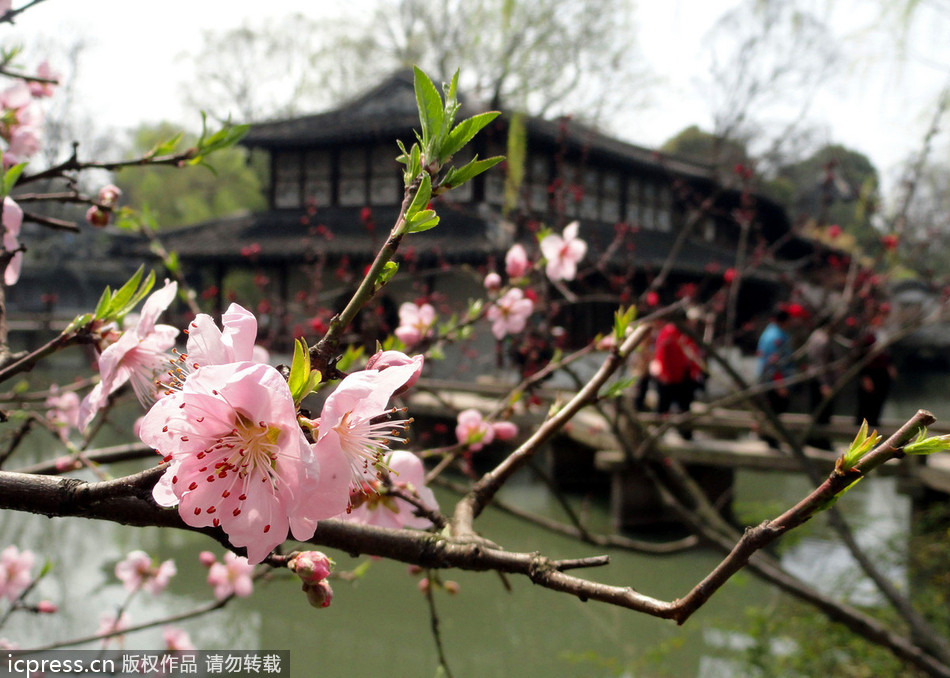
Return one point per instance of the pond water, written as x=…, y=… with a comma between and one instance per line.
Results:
x=380, y=625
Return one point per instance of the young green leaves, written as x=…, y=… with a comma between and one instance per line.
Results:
x=861, y=445
x=114, y=306
x=440, y=138
x=925, y=445
x=302, y=380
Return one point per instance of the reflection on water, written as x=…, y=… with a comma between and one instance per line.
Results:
x=379, y=624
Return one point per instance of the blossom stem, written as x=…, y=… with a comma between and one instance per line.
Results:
x=323, y=352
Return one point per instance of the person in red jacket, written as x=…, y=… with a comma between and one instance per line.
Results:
x=677, y=367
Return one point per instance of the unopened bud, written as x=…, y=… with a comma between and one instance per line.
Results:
x=97, y=217
x=47, y=607
x=207, y=558
x=319, y=594
x=451, y=587
x=492, y=282
x=310, y=566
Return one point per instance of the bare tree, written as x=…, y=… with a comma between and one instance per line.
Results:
x=544, y=57
x=766, y=62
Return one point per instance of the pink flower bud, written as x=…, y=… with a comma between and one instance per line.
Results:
x=492, y=282
x=504, y=430
x=97, y=217
x=451, y=587
x=516, y=262
x=47, y=607
x=207, y=558
x=424, y=585
x=310, y=566
x=109, y=195
x=319, y=594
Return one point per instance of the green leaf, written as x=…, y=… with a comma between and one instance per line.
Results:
x=412, y=160
x=420, y=201
x=171, y=263
x=349, y=357
x=299, y=370
x=389, y=270
x=423, y=221
x=861, y=445
x=925, y=445
x=430, y=107
x=622, y=320
x=464, y=132
x=360, y=570
x=617, y=388
x=103, y=306
x=165, y=147
x=79, y=321
x=457, y=176
x=11, y=176
x=124, y=293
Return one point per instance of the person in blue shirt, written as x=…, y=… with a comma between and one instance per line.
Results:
x=775, y=365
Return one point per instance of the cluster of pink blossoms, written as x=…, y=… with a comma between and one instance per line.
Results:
x=474, y=432
x=415, y=323
x=228, y=428
x=509, y=314
x=21, y=120
x=137, y=571
x=235, y=576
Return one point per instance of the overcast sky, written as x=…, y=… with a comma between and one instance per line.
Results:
x=879, y=104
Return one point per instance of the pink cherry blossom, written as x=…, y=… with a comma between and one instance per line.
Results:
x=472, y=430
x=232, y=577
x=492, y=282
x=563, y=252
x=25, y=142
x=12, y=220
x=16, y=98
x=386, y=359
x=136, y=571
x=415, y=323
x=353, y=435
x=516, y=262
x=407, y=473
x=239, y=459
x=15, y=577
x=510, y=314
x=207, y=345
x=177, y=640
x=63, y=412
x=140, y=356
x=504, y=430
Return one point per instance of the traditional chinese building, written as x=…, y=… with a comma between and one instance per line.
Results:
x=335, y=191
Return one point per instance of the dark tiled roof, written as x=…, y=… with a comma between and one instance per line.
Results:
x=389, y=111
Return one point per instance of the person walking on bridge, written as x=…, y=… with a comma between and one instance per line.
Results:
x=677, y=367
